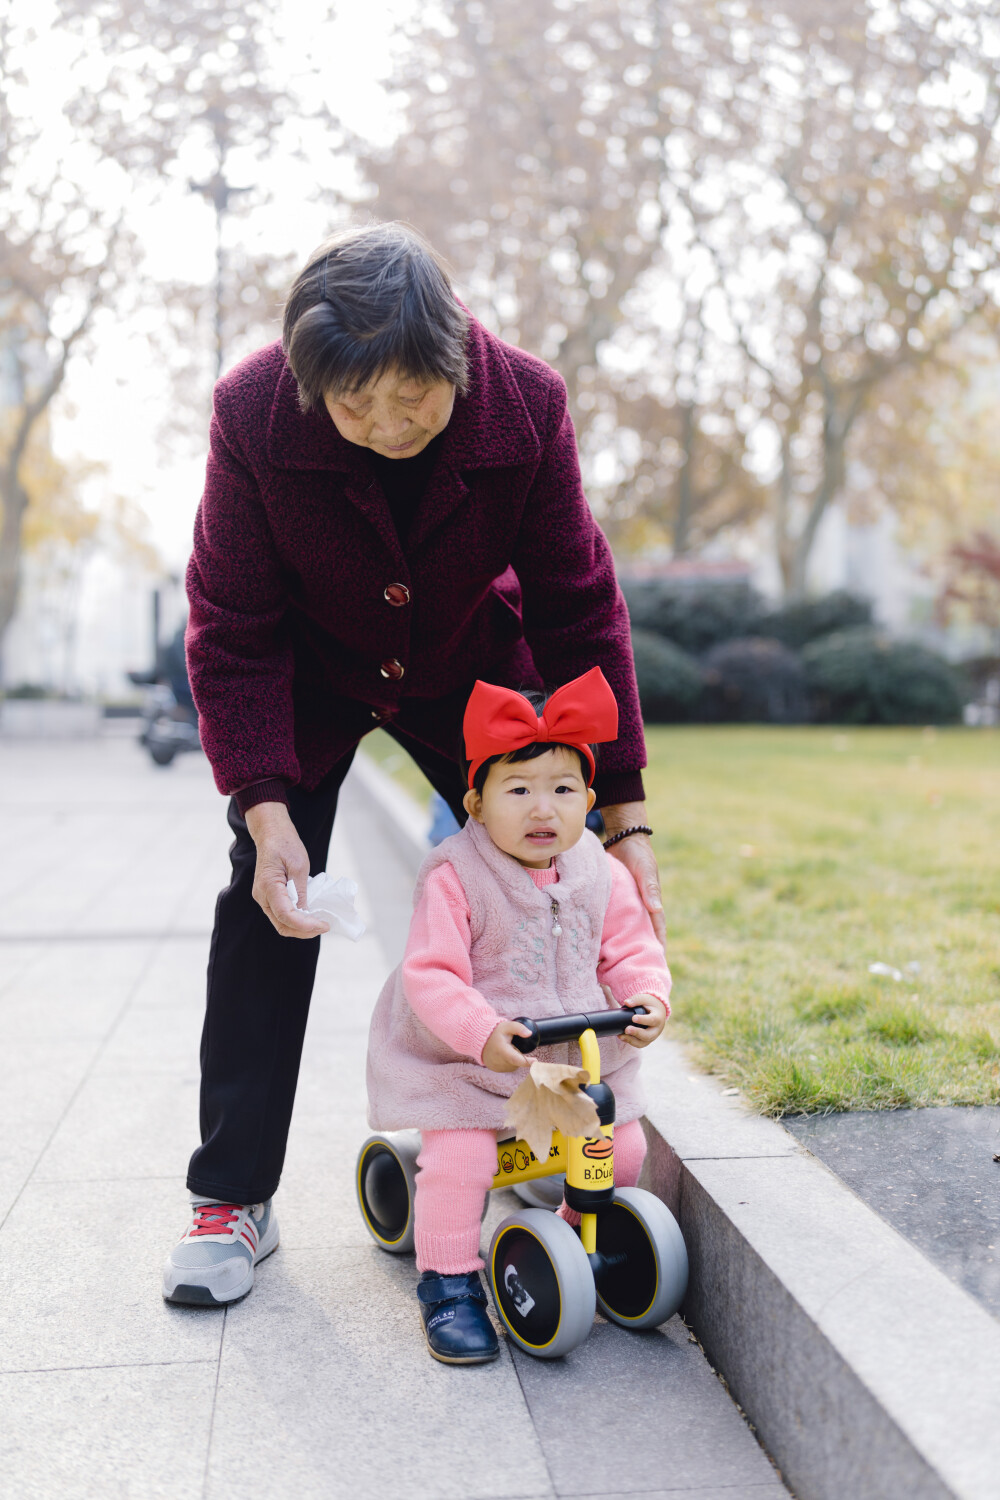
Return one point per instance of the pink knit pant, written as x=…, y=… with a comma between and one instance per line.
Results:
x=456, y=1170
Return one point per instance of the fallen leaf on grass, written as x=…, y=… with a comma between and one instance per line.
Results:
x=550, y=1099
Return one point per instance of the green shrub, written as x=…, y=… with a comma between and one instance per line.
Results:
x=670, y=681
x=754, y=681
x=805, y=620
x=862, y=677
x=694, y=616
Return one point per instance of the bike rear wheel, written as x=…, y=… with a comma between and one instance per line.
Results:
x=385, y=1183
x=645, y=1265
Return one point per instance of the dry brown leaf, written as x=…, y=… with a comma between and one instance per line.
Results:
x=550, y=1099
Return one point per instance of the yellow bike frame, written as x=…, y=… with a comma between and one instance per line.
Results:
x=588, y=1162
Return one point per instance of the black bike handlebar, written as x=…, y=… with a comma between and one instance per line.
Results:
x=570, y=1028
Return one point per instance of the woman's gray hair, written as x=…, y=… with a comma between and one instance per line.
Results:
x=370, y=300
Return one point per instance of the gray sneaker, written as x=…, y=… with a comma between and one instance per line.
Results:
x=213, y=1264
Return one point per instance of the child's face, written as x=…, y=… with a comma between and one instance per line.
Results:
x=534, y=809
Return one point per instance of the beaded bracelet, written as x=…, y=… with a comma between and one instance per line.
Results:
x=616, y=838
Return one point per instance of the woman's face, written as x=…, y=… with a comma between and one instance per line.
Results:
x=395, y=415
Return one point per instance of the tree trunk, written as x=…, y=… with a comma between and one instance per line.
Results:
x=794, y=550
x=14, y=500
x=686, y=503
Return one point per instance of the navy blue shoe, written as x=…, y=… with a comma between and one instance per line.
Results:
x=456, y=1324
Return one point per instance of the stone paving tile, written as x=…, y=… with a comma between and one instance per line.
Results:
x=348, y=982
x=126, y=1124
x=176, y=975
x=40, y=1079
x=206, y=872
x=137, y=1433
x=123, y=859
x=326, y=1386
x=930, y=1173
x=96, y=865
x=42, y=779
x=773, y=1491
x=16, y=960
x=686, y=1431
x=73, y=993
x=155, y=888
x=155, y=1039
x=80, y=1278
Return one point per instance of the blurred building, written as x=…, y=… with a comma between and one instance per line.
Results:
x=82, y=637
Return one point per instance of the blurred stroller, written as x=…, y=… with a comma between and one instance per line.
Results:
x=169, y=717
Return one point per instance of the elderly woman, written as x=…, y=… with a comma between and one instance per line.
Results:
x=392, y=509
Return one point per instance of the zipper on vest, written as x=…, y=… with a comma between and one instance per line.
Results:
x=556, y=929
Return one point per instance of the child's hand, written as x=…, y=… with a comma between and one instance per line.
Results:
x=498, y=1054
x=644, y=1029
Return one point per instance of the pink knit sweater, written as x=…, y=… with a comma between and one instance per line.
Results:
x=437, y=964
x=483, y=947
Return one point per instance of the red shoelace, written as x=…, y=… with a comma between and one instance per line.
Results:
x=211, y=1218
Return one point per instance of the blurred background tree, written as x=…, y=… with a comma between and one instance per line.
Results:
x=64, y=255
x=537, y=149
x=192, y=92
x=732, y=228
x=973, y=581
x=760, y=244
x=62, y=534
x=876, y=160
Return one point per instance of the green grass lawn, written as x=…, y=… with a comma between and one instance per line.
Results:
x=794, y=858
x=386, y=753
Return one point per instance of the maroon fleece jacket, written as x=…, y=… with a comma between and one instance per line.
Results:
x=506, y=576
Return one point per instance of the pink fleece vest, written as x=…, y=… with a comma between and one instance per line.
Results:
x=521, y=967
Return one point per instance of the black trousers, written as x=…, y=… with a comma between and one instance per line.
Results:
x=259, y=988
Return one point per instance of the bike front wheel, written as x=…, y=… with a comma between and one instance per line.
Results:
x=542, y=1283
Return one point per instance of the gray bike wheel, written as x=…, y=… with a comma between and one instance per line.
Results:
x=385, y=1185
x=542, y=1283
x=645, y=1282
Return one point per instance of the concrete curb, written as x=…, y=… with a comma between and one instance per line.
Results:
x=404, y=823
x=867, y=1374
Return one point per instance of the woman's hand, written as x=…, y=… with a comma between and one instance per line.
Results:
x=281, y=857
x=499, y=1055
x=636, y=854
x=645, y=1029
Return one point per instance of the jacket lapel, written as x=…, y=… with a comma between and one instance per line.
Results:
x=309, y=440
x=364, y=492
x=446, y=490
x=490, y=428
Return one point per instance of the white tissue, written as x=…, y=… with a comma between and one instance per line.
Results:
x=333, y=900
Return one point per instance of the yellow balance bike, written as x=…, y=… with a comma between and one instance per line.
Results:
x=628, y=1259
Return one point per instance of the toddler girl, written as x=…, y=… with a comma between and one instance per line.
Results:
x=521, y=913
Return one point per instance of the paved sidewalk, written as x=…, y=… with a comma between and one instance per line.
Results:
x=318, y=1385
x=933, y=1174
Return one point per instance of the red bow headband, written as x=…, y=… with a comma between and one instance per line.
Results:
x=498, y=720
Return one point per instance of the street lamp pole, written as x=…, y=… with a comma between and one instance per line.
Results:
x=218, y=191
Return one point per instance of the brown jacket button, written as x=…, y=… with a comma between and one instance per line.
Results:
x=392, y=669
x=397, y=594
